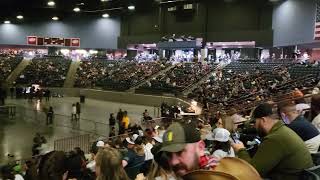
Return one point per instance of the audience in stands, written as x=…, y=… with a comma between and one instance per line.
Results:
x=115, y=75
x=237, y=86
x=7, y=65
x=180, y=77
x=90, y=73
x=210, y=142
x=47, y=72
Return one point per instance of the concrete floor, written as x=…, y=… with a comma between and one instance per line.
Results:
x=16, y=134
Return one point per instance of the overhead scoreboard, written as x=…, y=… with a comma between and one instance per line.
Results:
x=53, y=41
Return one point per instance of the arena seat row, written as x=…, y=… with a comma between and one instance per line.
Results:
x=244, y=83
x=119, y=75
x=179, y=78
x=90, y=73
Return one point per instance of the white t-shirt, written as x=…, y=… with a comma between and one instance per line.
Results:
x=18, y=177
x=221, y=154
x=74, y=110
x=92, y=166
x=147, y=151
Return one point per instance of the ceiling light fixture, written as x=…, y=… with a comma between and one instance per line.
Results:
x=55, y=18
x=105, y=15
x=131, y=7
x=76, y=9
x=7, y=22
x=51, y=3
x=19, y=17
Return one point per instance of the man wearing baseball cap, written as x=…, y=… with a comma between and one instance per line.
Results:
x=282, y=153
x=185, y=148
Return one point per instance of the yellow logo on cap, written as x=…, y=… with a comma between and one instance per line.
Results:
x=169, y=136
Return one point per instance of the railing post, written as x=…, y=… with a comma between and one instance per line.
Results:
x=95, y=129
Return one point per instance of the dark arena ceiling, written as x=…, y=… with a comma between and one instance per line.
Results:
x=33, y=10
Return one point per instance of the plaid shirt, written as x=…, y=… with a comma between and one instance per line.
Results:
x=208, y=162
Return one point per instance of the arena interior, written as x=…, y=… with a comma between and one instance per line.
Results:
x=159, y=89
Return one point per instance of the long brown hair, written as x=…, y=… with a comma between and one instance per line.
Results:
x=110, y=164
x=157, y=171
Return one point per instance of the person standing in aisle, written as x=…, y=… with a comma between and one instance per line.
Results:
x=112, y=121
x=78, y=110
x=74, y=112
x=50, y=114
x=125, y=120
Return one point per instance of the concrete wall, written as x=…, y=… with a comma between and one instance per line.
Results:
x=122, y=97
x=293, y=22
x=94, y=32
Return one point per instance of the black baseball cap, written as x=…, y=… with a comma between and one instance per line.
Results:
x=262, y=110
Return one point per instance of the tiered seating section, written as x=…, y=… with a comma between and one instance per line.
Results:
x=116, y=75
x=178, y=79
x=242, y=84
x=91, y=73
x=7, y=65
x=300, y=70
x=47, y=72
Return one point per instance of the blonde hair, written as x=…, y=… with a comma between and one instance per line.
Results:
x=228, y=123
x=139, y=149
x=108, y=160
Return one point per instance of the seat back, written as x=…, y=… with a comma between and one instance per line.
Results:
x=316, y=158
x=311, y=173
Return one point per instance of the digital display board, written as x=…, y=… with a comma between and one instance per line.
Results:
x=53, y=41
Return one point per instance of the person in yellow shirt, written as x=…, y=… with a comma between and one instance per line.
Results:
x=125, y=120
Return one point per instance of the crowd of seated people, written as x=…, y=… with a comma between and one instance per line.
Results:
x=7, y=65
x=47, y=72
x=116, y=75
x=246, y=83
x=90, y=73
x=132, y=73
x=179, y=78
x=276, y=142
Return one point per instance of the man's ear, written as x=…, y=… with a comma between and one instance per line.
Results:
x=201, y=147
x=264, y=119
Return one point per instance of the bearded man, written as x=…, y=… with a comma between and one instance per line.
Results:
x=282, y=153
